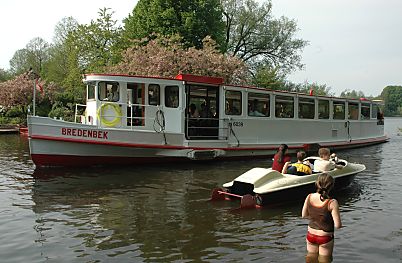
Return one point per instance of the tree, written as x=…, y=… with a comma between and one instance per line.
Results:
x=253, y=35
x=392, y=96
x=34, y=55
x=57, y=67
x=97, y=44
x=4, y=75
x=193, y=20
x=269, y=78
x=352, y=94
x=167, y=56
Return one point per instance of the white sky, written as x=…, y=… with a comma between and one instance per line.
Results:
x=354, y=44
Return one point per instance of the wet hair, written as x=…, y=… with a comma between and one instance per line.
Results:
x=324, y=151
x=300, y=155
x=324, y=184
x=282, y=149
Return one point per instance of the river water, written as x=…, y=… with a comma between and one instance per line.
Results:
x=162, y=214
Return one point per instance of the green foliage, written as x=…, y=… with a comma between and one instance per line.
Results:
x=96, y=45
x=193, y=20
x=33, y=56
x=392, y=96
x=4, y=75
x=57, y=68
x=269, y=78
x=352, y=94
x=60, y=110
x=253, y=35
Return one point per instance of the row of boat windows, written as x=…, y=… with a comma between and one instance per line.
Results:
x=109, y=91
x=259, y=106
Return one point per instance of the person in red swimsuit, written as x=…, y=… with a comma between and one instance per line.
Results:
x=323, y=213
x=280, y=158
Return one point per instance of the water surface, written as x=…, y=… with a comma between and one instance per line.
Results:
x=162, y=214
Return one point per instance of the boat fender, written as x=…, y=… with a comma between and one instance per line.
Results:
x=117, y=114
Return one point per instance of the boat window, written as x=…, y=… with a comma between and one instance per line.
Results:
x=109, y=91
x=339, y=110
x=365, y=111
x=172, y=96
x=153, y=94
x=374, y=111
x=258, y=104
x=284, y=107
x=306, y=108
x=91, y=90
x=353, y=110
x=233, y=102
x=323, y=109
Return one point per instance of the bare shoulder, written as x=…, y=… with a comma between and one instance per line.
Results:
x=333, y=204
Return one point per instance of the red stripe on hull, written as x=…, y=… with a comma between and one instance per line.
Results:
x=344, y=145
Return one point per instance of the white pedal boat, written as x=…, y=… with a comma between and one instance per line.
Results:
x=268, y=186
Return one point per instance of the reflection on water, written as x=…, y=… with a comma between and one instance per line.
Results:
x=162, y=214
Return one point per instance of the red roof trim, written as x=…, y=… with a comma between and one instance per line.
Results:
x=200, y=79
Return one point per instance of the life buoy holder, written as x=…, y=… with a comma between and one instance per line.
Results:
x=117, y=114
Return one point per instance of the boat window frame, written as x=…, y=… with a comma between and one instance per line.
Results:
x=261, y=102
x=230, y=101
x=365, y=105
x=337, y=103
x=89, y=84
x=290, y=113
x=172, y=101
x=155, y=99
x=302, y=101
x=375, y=110
x=106, y=93
x=323, y=115
x=353, y=110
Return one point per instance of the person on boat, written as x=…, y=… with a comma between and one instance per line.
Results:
x=280, y=158
x=193, y=112
x=323, y=213
x=114, y=94
x=253, y=110
x=325, y=164
x=300, y=167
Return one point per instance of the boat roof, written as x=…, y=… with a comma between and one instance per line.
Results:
x=207, y=80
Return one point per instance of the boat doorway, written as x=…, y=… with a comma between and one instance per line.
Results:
x=202, y=112
x=135, y=104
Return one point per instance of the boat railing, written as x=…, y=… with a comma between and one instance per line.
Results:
x=207, y=129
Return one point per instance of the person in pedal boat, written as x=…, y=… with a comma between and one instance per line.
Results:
x=298, y=168
x=325, y=164
x=280, y=158
x=323, y=213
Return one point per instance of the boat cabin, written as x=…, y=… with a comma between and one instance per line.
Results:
x=203, y=108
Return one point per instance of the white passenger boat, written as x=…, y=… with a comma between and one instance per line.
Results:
x=131, y=120
x=265, y=186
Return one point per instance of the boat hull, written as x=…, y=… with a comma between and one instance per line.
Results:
x=61, y=143
x=298, y=193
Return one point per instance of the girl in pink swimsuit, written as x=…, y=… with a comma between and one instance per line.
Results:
x=324, y=216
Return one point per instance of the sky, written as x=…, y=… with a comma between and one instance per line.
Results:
x=353, y=45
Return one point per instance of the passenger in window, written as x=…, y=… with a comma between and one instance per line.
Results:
x=193, y=112
x=172, y=100
x=114, y=94
x=254, y=109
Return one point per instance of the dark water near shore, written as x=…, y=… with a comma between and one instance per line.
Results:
x=161, y=214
